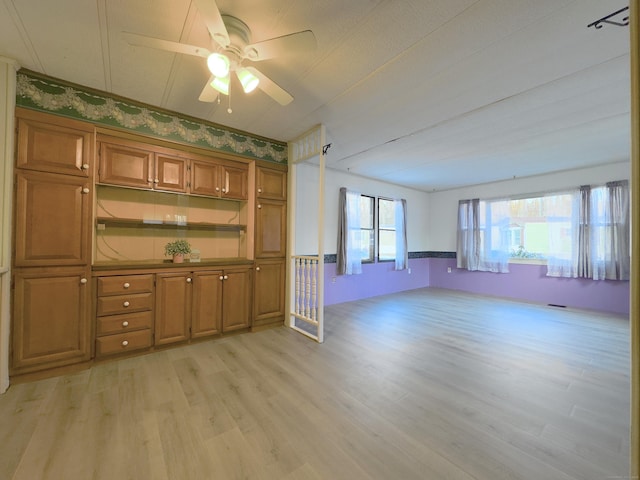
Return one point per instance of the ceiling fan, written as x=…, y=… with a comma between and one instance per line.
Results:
x=231, y=49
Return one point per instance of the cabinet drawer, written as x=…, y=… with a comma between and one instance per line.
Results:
x=123, y=342
x=121, y=284
x=124, y=303
x=123, y=323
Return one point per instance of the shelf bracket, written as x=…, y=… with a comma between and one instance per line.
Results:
x=623, y=23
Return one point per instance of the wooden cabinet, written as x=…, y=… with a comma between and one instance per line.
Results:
x=50, y=318
x=271, y=183
x=126, y=165
x=219, y=180
x=130, y=164
x=206, y=313
x=47, y=143
x=52, y=219
x=236, y=298
x=124, y=314
x=51, y=243
x=201, y=303
x=173, y=307
x=271, y=223
x=269, y=292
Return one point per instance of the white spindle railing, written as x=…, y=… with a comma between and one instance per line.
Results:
x=306, y=294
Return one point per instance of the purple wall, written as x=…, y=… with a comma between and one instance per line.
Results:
x=530, y=283
x=376, y=279
x=524, y=282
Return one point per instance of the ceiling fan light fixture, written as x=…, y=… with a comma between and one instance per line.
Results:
x=248, y=80
x=218, y=64
x=221, y=84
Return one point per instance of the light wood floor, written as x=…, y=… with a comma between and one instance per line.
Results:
x=427, y=384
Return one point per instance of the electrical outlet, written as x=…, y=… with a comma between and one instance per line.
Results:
x=101, y=226
x=333, y=279
x=409, y=271
x=448, y=269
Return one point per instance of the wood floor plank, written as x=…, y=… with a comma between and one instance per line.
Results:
x=422, y=384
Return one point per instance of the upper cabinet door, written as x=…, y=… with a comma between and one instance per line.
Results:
x=205, y=178
x=55, y=148
x=125, y=165
x=271, y=183
x=170, y=173
x=52, y=220
x=235, y=182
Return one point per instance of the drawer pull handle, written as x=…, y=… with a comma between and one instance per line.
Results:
x=259, y=206
x=83, y=281
x=259, y=190
x=125, y=324
x=125, y=343
x=125, y=304
x=257, y=269
x=126, y=285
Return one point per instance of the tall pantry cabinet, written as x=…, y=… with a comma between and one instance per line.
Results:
x=52, y=245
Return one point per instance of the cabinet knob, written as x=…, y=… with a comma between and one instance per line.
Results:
x=257, y=269
x=226, y=277
x=188, y=279
x=224, y=190
x=125, y=304
x=155, y=180
x=85, y=190
x=259, y=190
x=126, y=285
x=259, y=205
x=125, y=324
x=221, y=277
x=217, y=189
x=125, y=343
x=83, y=281
x=85, y=166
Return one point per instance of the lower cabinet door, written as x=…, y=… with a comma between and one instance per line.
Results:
x=50, y=319
x=173, y=307
x=236, y=299
x=206, y=313
x=268, y=298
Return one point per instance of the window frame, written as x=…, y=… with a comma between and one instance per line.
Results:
x=372, y=230
x=379, y=229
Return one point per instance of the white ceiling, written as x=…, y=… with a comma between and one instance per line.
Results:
x=428, y=94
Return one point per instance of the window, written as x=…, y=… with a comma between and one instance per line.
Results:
x=367, y=228
x=386, y=230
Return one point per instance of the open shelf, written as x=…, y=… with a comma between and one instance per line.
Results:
x=137, y=223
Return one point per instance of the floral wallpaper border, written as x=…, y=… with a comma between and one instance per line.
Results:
x=49, y=95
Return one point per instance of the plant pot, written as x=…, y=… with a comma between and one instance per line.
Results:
x=178, y=258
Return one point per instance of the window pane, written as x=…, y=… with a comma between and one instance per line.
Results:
x=367, y=246
x=386, y=214
x=366, y=212
x=387, y=245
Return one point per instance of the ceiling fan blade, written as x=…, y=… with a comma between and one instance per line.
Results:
x=213, y=20
x=294, y=43
x=269, y=87
x=150, y=42
x=208, y=94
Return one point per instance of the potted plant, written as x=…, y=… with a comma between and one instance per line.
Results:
x=177, y=249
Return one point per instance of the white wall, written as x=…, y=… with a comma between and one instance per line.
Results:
x=307, y=207
x=443, y=206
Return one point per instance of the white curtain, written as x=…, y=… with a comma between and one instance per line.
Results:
x=483, y=229
x=402, y=254
x=349, y=256
x=565, y=232
x=594, y=242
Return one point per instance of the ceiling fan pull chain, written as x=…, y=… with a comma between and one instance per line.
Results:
x=229, y=109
